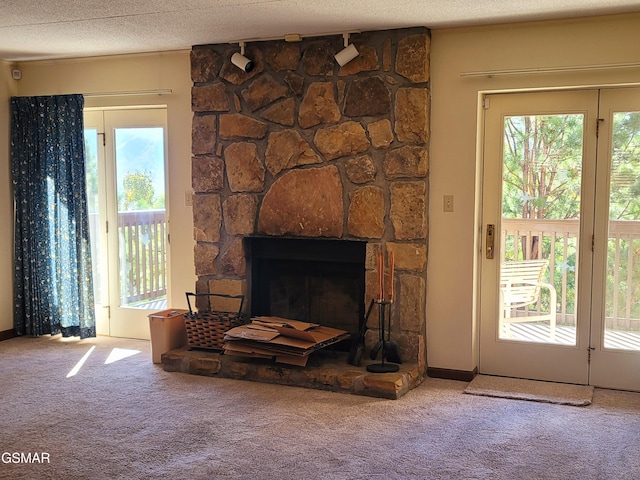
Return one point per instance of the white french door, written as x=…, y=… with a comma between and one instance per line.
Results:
x=560, y=169
x=615, y=307
x=126, y=152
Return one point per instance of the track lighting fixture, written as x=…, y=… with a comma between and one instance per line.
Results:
x=348, y=53
x=240, y=61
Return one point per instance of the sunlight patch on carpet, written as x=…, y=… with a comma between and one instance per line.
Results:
x=519, y=389
x=80, y=363
x=120, y=354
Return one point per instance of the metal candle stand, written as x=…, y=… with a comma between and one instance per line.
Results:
x=382, y=367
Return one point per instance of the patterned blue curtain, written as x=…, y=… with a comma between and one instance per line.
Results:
x=53, y=290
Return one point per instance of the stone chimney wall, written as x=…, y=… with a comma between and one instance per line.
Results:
x=301, y=147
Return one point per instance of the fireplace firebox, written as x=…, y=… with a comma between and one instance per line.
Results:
x=313, y=280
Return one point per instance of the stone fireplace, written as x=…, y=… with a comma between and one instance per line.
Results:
x=302, y=150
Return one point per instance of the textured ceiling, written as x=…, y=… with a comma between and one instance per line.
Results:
x=33, y=29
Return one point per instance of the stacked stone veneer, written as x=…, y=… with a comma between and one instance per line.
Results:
x=301, y=147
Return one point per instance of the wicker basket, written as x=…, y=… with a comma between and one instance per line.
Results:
x=206, y=328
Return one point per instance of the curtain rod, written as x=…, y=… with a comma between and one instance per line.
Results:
x=530, y=71
x=165, y=91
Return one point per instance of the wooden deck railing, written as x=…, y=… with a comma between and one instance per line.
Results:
x=557, y=240
x=143, y=236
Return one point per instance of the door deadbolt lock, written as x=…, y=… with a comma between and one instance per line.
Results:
x=490, y=237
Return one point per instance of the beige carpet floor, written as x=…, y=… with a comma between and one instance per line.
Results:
x=519, y=389
x=116, y=415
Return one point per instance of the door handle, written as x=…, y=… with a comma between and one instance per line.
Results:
x=490, y=239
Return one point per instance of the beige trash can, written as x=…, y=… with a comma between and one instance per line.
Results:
x=167, y=332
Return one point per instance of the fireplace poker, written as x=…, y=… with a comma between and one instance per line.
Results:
x=391, y=348
x=357, y=347
x=392, y=352
x=373, y=354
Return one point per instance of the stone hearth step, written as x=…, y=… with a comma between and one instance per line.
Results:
x=327, y=370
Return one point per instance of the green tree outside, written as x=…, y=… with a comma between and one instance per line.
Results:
x=138, y=192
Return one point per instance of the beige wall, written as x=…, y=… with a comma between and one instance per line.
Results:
x=451, y=313
x=8, y=88
x=452, y=318
x=158, y=71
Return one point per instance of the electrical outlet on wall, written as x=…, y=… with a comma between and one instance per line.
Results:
x=188, y=199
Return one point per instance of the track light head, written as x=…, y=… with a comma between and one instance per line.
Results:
x=348, y=53
x=242, y=62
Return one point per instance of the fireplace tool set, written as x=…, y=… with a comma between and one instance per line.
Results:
x=386, y=347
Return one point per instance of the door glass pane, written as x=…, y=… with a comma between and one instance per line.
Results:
x=91, y=173
x=622, y=317
x=140, y=186
x=541, y=181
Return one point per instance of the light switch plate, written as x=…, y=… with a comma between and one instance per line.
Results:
x=448, y=203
